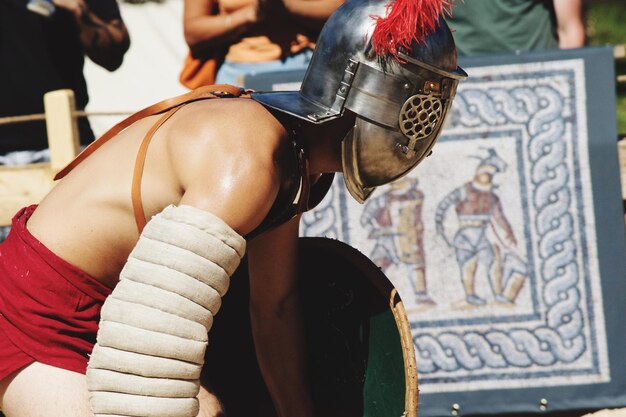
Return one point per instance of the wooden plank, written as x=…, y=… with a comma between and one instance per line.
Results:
x=21, y=186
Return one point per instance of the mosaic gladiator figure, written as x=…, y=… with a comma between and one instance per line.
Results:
x=394, y=221
x=479, y=210
x=109, y=287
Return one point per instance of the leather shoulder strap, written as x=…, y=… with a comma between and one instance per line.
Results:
x=140, y=216
x=206, y=92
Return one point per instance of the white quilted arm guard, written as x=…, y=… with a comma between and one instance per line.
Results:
x=154, y=326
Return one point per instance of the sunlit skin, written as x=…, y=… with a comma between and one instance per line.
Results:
x=224, y=156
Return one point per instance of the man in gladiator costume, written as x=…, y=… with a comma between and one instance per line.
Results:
x=109, y=287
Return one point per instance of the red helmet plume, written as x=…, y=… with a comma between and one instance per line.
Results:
x=407, y=21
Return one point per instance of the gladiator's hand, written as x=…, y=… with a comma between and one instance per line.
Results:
x=511, y=239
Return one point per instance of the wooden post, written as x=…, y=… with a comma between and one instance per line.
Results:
x=28, y=184
x=62, y=127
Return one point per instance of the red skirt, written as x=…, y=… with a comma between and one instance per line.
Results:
x=49, y=309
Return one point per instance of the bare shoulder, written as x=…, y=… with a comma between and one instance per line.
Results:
x=223, y=123
x=229, y=109
x=226, y=155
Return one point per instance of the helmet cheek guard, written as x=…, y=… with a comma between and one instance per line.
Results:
x=367, y=153
x=373, y=155
x=401, y=96
x=399, y=118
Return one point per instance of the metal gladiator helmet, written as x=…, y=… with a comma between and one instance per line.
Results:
x=392, y=64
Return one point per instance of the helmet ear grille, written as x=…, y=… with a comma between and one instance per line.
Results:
x=420, y=115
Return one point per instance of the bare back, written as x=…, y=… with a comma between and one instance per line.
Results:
x=225, y=156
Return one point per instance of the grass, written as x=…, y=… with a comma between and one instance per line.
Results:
x=604, y=20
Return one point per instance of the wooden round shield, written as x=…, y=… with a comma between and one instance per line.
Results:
x=360, y=351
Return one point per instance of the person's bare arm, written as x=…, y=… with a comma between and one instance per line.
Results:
x=570, y=25
x=221, y=174
x=203, y=27
x=276, y=319
x=104, y=42
x=312, y=13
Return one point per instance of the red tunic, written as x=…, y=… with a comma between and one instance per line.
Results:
x=49, y=309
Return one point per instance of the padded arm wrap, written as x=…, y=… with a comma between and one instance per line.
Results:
x=154, y=326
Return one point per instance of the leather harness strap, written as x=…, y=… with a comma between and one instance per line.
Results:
x=140, y=216
x=210, y=91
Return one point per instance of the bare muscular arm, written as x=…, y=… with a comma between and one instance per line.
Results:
x=239, y=186
x=104, y=42
x=276, y=319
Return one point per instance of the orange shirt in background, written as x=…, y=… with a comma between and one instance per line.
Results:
x=277, y=38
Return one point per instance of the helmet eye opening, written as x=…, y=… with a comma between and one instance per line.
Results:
x=420, y=116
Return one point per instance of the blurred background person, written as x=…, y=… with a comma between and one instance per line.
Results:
x=484, y=27
x=233, y=38
x=43, y=48
x=42, y=53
